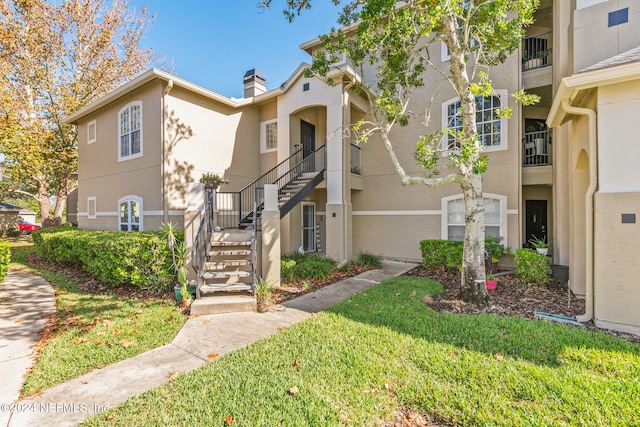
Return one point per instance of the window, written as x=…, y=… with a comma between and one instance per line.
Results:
x=309, y=227
x=269, y=136
x=91, y=207
x=130, y=131
x=91, y=132
x=618, y=17
x=130, y=218
x=491, y=128
x=454, y=218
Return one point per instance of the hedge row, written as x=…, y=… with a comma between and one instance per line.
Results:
x=138, y=258
x=441, y=253
x=5, y=258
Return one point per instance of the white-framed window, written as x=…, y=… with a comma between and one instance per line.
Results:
x=492, y=130
x=91, y=207
x=92, y=132
x=269, y=136
x=453, y=218
x=130, y=131
x=309, y=226
x=130, y=213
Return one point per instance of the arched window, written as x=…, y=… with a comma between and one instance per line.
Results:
x=130, y=214
x=130, y=131
x=453, y=220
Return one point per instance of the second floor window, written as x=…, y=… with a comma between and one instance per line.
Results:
x=130, y=131
x=491, y=128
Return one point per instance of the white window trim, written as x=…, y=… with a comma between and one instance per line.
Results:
x=263, y=137
x=93, y=124
x=444, y=52
x=444, y=232
x=91, y=199
x=131, y=156
x=504, y=124
x=302, y=228
x=132, y=198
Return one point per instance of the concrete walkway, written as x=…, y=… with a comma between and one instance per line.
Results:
x=26, y=304
x=72, y=402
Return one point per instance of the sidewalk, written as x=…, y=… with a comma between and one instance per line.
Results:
x=72, y=402
x=26, y=302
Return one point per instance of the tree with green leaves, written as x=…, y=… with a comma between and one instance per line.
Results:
x=55, y=58
x=394, y=38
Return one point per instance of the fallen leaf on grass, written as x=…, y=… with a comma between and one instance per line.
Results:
x=173, y=375
x=282, y=328
x=79, y=340
x=296, y=363
x=390, y=390
x=101, y=333
x=108, y=323
x=398, y=294
x=499, y=356
x=372, y=391
x=116, y=332
x=413, y=294
x=212, y=355
x=229, y=420
x=126, y=343
x=293, y=390
x=98, y=342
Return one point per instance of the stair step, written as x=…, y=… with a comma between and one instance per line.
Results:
x=219, y=265
x=225, y=274
x=223, y=303
x=224, y=287
x=218, y=243
x=230, y=252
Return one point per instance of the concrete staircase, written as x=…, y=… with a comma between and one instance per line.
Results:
x=227, y=280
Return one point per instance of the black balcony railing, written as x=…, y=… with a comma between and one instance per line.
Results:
x=536, y=51
x=536, y=149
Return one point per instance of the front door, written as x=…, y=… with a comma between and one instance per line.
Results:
x=307, y=138
x=536, y=224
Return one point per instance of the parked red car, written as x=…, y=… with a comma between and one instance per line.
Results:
x=26, y=227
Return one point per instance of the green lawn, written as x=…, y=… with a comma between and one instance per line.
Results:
x=385, y=349
x=93, y=330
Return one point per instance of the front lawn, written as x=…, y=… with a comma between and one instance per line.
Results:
x=384, y=350
x=92, y=331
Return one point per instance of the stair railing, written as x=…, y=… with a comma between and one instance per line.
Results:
x=202, y=242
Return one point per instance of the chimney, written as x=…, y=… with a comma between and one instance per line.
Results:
x=254, y=83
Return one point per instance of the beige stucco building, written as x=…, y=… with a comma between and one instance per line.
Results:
x=143, y=148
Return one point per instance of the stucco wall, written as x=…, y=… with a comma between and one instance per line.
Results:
x=616, y=269
x=101, y=175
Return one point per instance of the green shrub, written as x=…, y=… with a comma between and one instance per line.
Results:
x=12, y=232
x=5, y=258
x=264, y=292
x=141, y=259
x=494, y=244
x=441, y=253
x=305, y=267
x=532, y=267
x=365, y=259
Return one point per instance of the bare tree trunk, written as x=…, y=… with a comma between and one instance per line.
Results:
x=472, y=283
x=58, y=209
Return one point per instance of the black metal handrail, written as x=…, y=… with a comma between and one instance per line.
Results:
x=202, y=242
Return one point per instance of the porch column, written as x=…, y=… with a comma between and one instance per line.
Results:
x=192, y=217
x=338, y=209
x=271, y=236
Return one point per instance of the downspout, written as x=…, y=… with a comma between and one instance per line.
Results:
x=165, y=205
x=593, y=184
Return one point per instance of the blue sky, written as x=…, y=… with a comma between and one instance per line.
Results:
x=213, y=43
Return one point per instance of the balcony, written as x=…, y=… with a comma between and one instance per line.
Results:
x=536, y=51
x=536, y=150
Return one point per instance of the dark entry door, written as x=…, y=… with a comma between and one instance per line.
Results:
x=536, y=220
x=307, y=138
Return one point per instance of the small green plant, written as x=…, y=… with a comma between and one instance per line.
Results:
x=532, y=267
x=264, y=292
x=307, y=285
x=5, y=258
x=536, y=242
x=299, y=267
x=365, y=259
x=211, y=179
x=287, y=270
x=494, y=244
